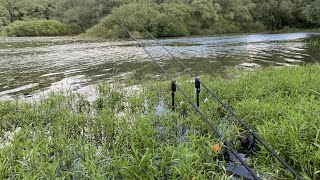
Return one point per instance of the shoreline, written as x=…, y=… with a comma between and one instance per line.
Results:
x=88, y=37
x=278, y=103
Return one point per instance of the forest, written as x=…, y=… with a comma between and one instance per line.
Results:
x=163, y=18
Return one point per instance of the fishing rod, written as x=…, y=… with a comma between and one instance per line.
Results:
x=227, y=144
x=248, y=128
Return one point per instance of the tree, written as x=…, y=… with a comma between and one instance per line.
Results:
x=4, y=16
x=173, y=20
x=312, y=12
x=174, y=16
x=274, y=13
x=205, y=13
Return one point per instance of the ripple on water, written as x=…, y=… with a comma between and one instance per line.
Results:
x=294, y=61
x=50, y=74
x=39, y=64
x=249, y=65
x=15, y=90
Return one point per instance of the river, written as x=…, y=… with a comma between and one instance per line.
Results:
x=34, y=66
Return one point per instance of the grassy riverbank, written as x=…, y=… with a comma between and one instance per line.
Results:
x=132, y=133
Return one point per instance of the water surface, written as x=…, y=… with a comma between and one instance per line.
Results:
x=31, y=66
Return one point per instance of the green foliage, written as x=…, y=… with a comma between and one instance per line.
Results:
x=312, y=12
x=282, y=105
x=83, y=13
x=126, y=136
x=167, y=17
x=172, y=19
x=56, y=139
x=28, y=9
x=108, y=27
x=4, y=17
x=39, y=28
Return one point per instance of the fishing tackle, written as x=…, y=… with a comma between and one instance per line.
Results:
x=248, y=143
x=226, y=143
x=232, y=164
x=227, y=108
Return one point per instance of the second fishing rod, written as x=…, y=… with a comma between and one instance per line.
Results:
x=225, y=106
x=215, y=130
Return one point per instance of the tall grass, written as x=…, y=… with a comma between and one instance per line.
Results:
x=125, y=135
x=283, y=106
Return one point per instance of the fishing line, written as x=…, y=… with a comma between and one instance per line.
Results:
x=228, y=145
x=226, y=107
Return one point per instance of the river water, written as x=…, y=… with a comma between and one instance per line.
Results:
x=32, y=66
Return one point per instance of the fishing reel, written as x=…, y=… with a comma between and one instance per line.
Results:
x=248, y=143
x=232, y=164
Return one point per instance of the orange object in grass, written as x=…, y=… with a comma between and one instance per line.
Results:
x=216, y=148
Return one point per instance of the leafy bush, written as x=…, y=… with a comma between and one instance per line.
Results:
x=164, y=20
x=253, y=27
x=201, y=16
x=172, y=19
x=108, y=27
x=40, y=28
x=312, y=12
x=4, y=17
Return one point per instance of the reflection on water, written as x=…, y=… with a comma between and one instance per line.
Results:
x=30, y=66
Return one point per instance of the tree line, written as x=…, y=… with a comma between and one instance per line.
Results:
x=161, y=17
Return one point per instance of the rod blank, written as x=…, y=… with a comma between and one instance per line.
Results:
x=227, y=144
x=225, y=106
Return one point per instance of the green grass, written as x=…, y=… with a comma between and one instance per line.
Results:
x=125, y=135
x=283, y=106
x=314, y=42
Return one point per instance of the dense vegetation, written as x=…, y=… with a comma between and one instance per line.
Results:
x=128, y=134
x=168, y=17
x=39, y=28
